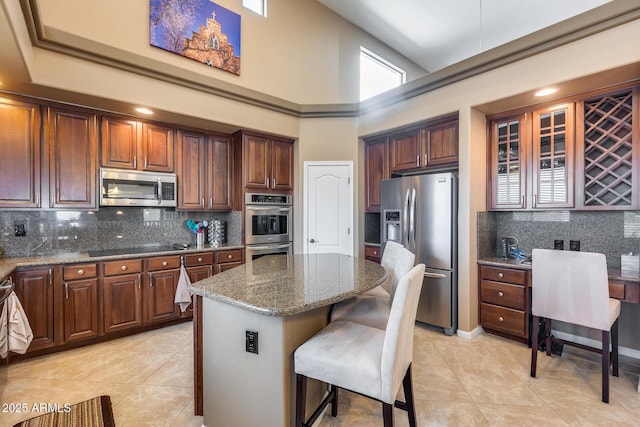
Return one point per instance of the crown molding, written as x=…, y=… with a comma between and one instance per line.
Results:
x=607, y=16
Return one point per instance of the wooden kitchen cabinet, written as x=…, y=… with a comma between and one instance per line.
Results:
x=130, y=144
x=228, y=259
x=160, y=289
x=72, y=142
x=507, y=164
x=199, y=266
x=532, y=159
x=122, y=294
x=607, y=151
x=376, y=168
x=81, y=309
x=504, y=298
x=372, y=253
x=20, y=156
x=553, y=142
x=405, y=150
x=431, y=144
x=267, y=161
x=441, y=143
x=204, y=169
x=34, y=288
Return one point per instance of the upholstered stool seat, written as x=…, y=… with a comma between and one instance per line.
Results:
x=372, y=307
x=365, y=359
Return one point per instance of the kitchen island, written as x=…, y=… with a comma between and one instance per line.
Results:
x=282, y=301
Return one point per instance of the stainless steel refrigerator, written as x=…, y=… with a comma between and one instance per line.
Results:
x=421, y=212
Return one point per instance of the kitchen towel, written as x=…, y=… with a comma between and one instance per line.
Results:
x=15, y=331
x=183, y=296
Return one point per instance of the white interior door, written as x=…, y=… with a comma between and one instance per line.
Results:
x=328, y=207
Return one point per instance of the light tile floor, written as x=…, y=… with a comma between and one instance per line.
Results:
x=457, y=382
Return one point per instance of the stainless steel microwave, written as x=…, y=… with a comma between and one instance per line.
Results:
x=121, y=187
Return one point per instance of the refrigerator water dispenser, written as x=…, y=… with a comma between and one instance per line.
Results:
x=392, y=225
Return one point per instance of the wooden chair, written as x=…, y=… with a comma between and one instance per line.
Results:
x=364, y=359
x=573, y=287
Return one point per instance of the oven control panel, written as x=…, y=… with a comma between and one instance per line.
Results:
x=267, y=199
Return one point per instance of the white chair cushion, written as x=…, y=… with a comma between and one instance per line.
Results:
x=345, y=354
x=614, y=311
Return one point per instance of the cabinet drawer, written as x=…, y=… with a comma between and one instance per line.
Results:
x=504, y=294
x=79, y=271
x=198, y=259
x=616, y=290
x=372, y=252
x=163, y=263
x=229, y=256
x=503, y=275
x=125, y=266
x=503, y=319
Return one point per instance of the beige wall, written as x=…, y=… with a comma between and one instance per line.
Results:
x=323, y=139
x=302, y=52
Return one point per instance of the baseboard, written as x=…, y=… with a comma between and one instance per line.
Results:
x=469, y=335
x=624, y=351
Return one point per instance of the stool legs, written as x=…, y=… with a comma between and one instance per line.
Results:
x=534, y=344
x=301, y=398
x=407, y=384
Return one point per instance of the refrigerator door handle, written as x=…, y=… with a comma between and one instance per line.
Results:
x=405, y=220
x=412, y=220
x=435, y=275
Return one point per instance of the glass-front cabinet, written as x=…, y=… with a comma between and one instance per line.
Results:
x=507, y=163
x=552, y=144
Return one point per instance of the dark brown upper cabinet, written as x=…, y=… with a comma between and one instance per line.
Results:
x=20, y=155
x=267, y=161
x=130, y=144
x=73, y=144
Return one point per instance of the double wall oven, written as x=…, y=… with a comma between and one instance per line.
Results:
x=268, y=226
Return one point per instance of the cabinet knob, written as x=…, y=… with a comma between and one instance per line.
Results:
x=375, y=252
x=229, y=256
x=123, y=268
x=81, y=271
x=500, y=275
x=199, y=259
x=501, y=319
x=500, y=294
x=164, y=263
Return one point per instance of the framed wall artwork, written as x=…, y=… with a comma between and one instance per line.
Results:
x=197, y=29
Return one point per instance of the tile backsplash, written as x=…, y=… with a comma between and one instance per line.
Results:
x=52, y=232
x=610, y=232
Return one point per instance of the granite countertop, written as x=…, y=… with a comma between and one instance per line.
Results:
x=280, y=286
x=614, y=273
x=7, y=265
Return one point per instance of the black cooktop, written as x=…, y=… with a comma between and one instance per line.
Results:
x=133, y=251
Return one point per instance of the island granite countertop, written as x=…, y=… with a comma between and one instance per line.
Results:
x=7, y=265
x=284, y=285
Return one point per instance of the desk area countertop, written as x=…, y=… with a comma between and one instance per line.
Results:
x=283, y=286
x=614, y=273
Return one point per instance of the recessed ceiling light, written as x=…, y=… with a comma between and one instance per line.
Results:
x=547, y=91
x=143, y=110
